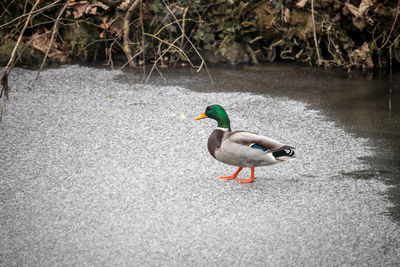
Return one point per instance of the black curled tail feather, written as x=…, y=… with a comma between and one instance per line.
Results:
x=284, y=153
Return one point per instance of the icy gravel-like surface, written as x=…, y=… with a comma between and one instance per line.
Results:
x=96, y=172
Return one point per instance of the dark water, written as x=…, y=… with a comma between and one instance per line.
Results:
x=361, y=104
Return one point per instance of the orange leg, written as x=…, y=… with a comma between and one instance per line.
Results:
x=233, y=176
x=251, y=179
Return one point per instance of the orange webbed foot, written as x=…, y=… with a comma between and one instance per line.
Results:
x=233, y=176
x=227, y=177
x=251, y=179
x=245, y=181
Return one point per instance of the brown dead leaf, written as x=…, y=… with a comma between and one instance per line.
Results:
x=58, y=56
x=285, y=14
x=40, y=42
x=360, y=17
x=80, y=8
x=100, y=4
x=115, y=25
x=362, y=57
x=124, y=5
x=301, y=3
x=105, y=23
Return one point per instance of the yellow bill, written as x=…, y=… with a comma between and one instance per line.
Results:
x=202, y=116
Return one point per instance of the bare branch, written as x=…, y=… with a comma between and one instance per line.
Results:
x=160, y=57
x=54, y=30
x=315, y=35
x=126, y=42
x=6, y=71
x=143, y=39
x=191, y=43
x=37, y=11
x=4, y=75
x=392, y=28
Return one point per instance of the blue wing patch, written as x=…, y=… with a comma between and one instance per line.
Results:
x=258, y=147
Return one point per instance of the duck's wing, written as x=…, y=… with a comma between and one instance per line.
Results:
x=250, y=139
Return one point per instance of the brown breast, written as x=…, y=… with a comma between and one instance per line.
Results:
x=214, y=141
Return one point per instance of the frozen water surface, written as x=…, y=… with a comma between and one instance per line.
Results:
x=95, y=171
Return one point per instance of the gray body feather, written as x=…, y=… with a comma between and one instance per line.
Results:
x=234, y=148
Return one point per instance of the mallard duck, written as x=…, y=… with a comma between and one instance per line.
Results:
x=242, y=148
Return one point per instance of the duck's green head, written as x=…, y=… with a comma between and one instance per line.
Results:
x=217, y=113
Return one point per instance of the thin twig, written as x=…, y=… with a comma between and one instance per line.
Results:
x=190, y=42
x=98, y=41
x=315, y=34
x=395, y=40
x=54, y=30
x=170, y=44
x=126, y=42
x=183, y=24
x=37, y=11
x=390, y=79
x=110, y=61
x=143, y=39
x=6, y=71
x=4, y=75
x=160, y=57
x=161, y=75
x=171, y=23
x=394, y=23
x=132, y=58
